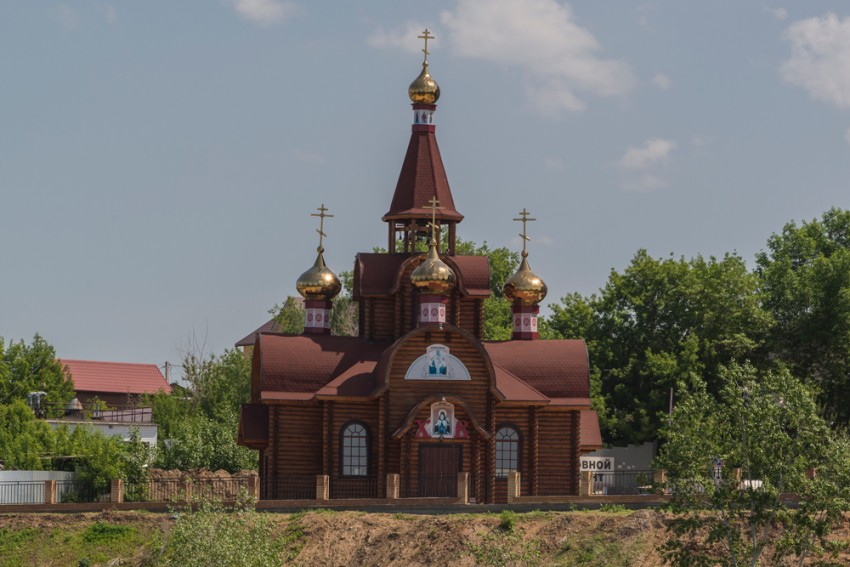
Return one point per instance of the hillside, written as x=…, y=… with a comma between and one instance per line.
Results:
x=325, y=537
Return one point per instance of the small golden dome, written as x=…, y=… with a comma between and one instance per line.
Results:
x=525, y=287
x=424, y=89
x=319, y=282
x=433, y=275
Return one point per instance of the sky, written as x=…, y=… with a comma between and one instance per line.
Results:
x=159, y=160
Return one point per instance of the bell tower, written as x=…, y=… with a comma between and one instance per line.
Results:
x=422, y=176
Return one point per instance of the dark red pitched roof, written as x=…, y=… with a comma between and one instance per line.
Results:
x=514, y=389
x=422, y=178
x=556, y=369
x=115, y=377
x=306, y=363
x=591, y=437
x=270, y=326
x=473, y=274
x=379, y=273
x=299, y=367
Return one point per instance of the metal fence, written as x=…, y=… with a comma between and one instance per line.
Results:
x=81, y=491
x=622, y=482
x=292, y=487
x=22, y=492
x=219, y=488
x=353, y=488
x=157, y=490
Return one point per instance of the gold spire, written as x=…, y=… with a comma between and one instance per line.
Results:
x=433, y=275
x=424, y=89
x=319, y=282
x=525, y=287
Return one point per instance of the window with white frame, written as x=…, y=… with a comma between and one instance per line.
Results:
x=355, y=450
x=507, y=450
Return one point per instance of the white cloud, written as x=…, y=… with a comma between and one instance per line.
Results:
x=541, y=39
x=405, y=39
x=820, y=58
x=643, y=168
x=66, y=16
x=264, y=12
x=662, y=81
x=778, y=13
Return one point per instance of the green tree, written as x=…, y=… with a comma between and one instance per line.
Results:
x=766, y=424
x=31, y=368
x=805, y=279
x=655, y=325
x=198, y=425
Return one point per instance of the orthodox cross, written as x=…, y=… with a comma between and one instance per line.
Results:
x=524, y=219
x=322, y=216
x=435, y=206
x=426, y=36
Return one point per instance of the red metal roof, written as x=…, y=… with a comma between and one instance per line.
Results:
x=269, y=326
x=556, y=368
x=591, y=437
x=115, y=377
x=379, y=273
x=299, y=366
x=514, y=389
x=306, y=363
x=422, y=178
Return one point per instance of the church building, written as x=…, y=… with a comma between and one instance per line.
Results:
x=418, y=397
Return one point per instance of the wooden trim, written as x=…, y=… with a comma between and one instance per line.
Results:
x=383, y=382
x=382, y=441
x=535, y=450
x=408, y=421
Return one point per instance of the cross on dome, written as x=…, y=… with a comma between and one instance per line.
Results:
x=425, y=35
x=434, y=206
x=524, y=220
x=322, y=216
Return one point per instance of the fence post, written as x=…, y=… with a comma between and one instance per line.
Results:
x=463, y=488
x=254, y=487
x=513, y=486
x=50, y=492
x=585, y=483
x=323, y=487
x=392, y=486
x=187, y=489
x=116, y=491
x=659, y=480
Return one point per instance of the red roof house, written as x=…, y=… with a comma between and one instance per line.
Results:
x=114, y=382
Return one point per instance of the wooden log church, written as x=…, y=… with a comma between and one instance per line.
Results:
x=418, y=398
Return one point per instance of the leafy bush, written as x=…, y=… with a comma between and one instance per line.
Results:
x=213, y=535
x=507, y=520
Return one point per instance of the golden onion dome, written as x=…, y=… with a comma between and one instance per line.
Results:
x=525, y=287
x=424, y=89
x=433, y=275
x=319, y=282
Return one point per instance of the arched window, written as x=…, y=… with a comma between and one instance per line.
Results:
x=507, y=450
x=355, y=449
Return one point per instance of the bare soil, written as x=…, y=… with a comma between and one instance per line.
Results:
x=613, y=539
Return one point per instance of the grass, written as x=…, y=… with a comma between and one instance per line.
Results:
x=589, y=549
x=73, y=545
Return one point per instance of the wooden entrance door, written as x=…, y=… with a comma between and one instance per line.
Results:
x=438, y=468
